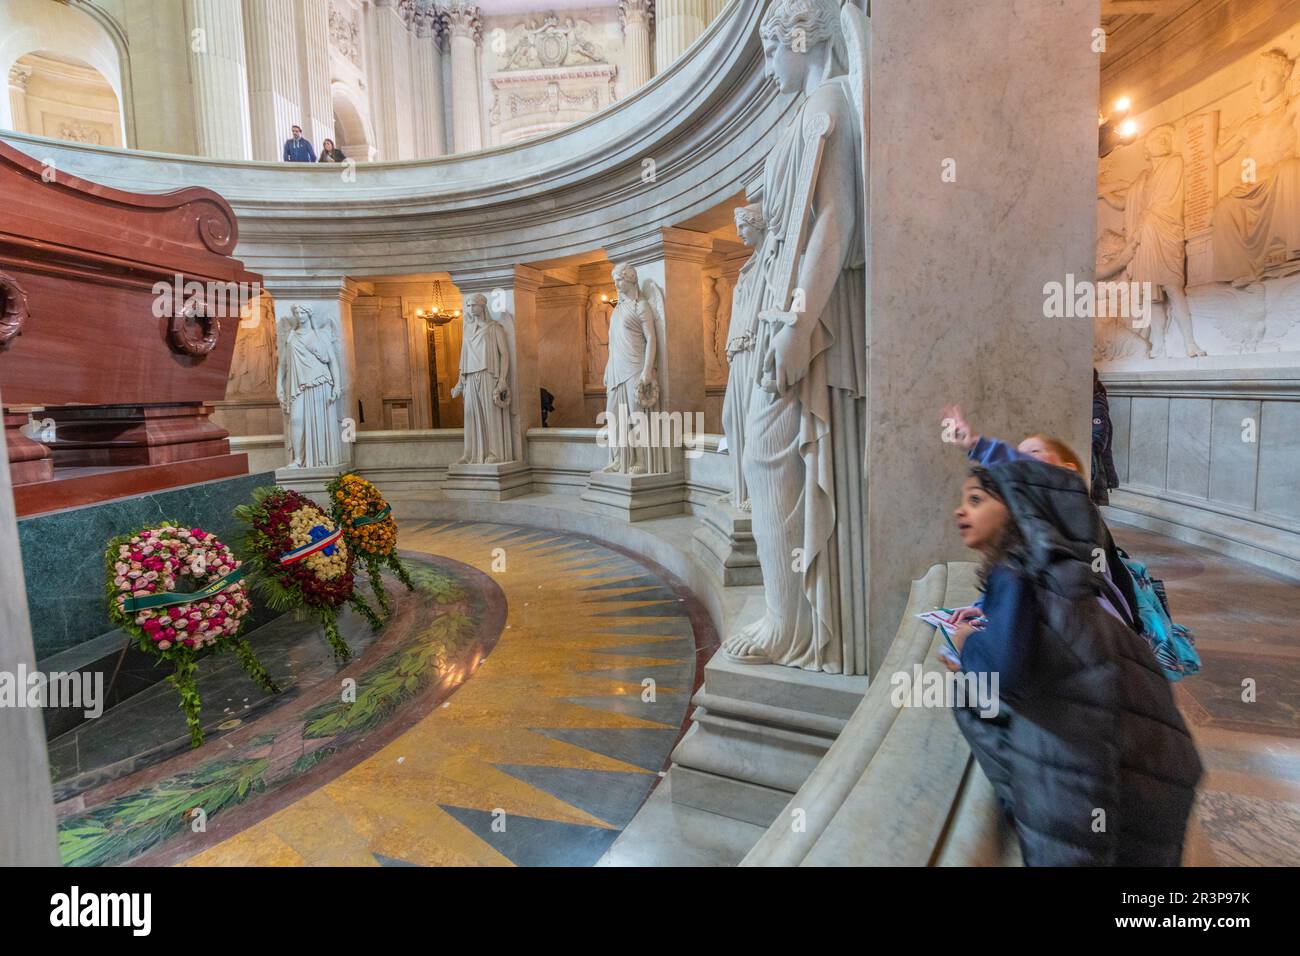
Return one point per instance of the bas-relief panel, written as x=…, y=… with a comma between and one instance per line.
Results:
x=1232, y=193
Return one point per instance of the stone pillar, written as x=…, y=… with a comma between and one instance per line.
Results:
x=677, y=24
x=929, y=78
x=316, y=103
x=274, y=83
x=462, y=24
x=512, y=300
x=18, y=77
x=388, y=66
x=330, y=299
x=27, y=833
x=426, y=100
x=637, y=17
x=218, y=79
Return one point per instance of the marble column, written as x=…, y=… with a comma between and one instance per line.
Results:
x=274, y=87
x=388, y=66
x=465, y=31
x=27, y=833
x=315, y=100
x=637, y=17
x=928, y=91
x=426, y=68
x=18, y=78
x=218, y=78
x=677, y=24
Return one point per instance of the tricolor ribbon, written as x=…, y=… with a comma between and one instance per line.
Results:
x=321, y=540
x=145, y=602
x=372, y=519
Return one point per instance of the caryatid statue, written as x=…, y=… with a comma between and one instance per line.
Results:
x=805, y=429
x=1154, y=250
x=631, y=385
x=747, y=299
x=485, y=383
x=308, y=389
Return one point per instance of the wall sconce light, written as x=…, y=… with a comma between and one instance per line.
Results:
x=1116, y=129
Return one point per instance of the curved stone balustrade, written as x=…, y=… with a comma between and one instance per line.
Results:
x=899, y=787
x=689, y=139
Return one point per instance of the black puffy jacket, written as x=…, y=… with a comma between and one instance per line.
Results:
x=1091, y=758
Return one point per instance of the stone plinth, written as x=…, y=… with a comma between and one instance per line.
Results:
x=636, y=497
x=758, y=731
x=725, y=542
x=495, y=482
x=310, y=481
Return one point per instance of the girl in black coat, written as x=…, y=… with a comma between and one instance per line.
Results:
x=1088, y=752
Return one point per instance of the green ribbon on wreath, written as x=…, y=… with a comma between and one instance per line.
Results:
x=372, y=519
x=147, y=602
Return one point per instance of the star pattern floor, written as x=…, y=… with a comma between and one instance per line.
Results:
x=547, y=752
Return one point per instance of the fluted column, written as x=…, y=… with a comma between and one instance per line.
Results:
x=426, y=47
x=18, y=77
x=314, y=71
x=274, y=88
x=677, y=24
x=465, y=30
x=637, y=17
x=388, y=66
x=218, y=81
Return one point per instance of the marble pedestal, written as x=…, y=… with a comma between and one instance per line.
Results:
x=724, y=541
x=495, y=482
x=757, y=733
x=310, y=481
x=636, y=497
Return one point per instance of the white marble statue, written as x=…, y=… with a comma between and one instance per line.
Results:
x=806, y=423
x=485, y=383
x=631, y=381
x=308, y=389
x=1256, y=226
x=1154, y=249
x=747, y=299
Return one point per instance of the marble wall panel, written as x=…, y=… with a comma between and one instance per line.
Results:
x=1189, y=446
x=1233, y=462
x=1149, y=442
x=1279, y=460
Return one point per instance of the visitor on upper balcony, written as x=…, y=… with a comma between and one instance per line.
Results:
x=297, y=149
x=329, y=153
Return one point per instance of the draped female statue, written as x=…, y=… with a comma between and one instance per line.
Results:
x=485, y=383
x=805, y=426
x=307, y=387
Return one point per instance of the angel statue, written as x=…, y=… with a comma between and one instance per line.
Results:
x=747, y=298
x=805, y=428
x=307, y=387
x=485, y=383
x=631, y=389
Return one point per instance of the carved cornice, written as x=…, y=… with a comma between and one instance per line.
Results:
x=19, y=76
x=463, y=20
x=636, y=11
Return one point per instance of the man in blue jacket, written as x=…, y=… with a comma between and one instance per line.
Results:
x=297, y=149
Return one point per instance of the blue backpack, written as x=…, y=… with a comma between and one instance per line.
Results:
x=1172, y=644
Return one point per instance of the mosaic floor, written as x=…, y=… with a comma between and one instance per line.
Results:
x=579, y=692
x=1245, y=622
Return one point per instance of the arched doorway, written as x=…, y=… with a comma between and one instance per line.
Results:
x=351, y=130
x=62, y=97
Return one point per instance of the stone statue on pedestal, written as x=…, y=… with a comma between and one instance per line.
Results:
x=747, y=300
x=1257, y=224
x=805, y=426
x=485, y=383
x=254, y=365
x=631, y=387
x=308, y=389
x=1154, y=249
